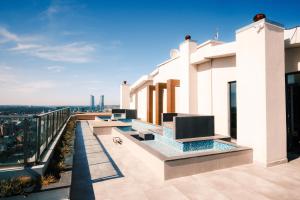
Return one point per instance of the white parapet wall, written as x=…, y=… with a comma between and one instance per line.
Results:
x=261, y=120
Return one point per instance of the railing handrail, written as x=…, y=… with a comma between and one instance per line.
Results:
x=17, y=116
x=45, y=128
x=32, y=115
x=43, y=114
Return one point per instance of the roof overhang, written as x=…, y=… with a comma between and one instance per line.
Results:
x=292, y=37
x=218, y=51
x=140, y=82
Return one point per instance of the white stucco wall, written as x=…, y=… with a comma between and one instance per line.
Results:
x=133, y=101
x=142, y=103
x=257, y=60
x=177, y=99
x=251, y=90
x=169, y=70
x=275, y=95
x=223, y=71
x=213, y=92
x=204, y=88
x=124, y=96
x=292, y=59
x=188, y=82
x=260, y=91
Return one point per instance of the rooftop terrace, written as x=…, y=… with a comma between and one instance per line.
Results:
x=131, y=178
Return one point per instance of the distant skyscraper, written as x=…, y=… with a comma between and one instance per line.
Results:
x=101, y=103
x=92, y=103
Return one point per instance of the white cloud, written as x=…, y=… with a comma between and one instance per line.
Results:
x=75, y=52
x=56, y=68
x=71, y=33
x=5, y=67
x=23, y=47
x=6, y=79
x=52, y=10
x=57, y=7
x=6, y=36
x=35, y=86
x=15, y=83
x=116, y=43
x=93, y=82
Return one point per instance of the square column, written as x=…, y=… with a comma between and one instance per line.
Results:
x=159, y=88
x=150, y=89
x=188, y=80
x=171, y=84
x=261, y=115
x=125, y=95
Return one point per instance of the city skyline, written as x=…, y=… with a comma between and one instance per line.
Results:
x=59, y=52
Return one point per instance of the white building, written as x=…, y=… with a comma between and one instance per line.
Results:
x=241, y=83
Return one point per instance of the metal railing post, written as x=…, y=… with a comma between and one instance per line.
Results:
x=56, y=123
x=25, y=141
x=53, y=126
x=47, y=130
x=38, y=139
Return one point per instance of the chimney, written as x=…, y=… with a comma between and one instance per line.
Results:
x=258, y=17
x=187, y=37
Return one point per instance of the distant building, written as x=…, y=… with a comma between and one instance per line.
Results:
x=101, y=103
x=92, y=103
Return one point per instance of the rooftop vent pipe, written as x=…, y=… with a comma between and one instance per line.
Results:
x=258, y=17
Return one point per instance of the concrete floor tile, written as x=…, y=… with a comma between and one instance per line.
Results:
x=245, y=182
x=165, y=193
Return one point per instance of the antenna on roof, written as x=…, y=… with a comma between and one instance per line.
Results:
x=216, y=37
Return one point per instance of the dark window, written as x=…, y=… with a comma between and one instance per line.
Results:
x=293, y=113
x=232, y=107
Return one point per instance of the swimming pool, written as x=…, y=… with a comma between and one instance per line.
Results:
x=189, y=148
x=167, y=138
x=104, y=117
x=172, y=158
x=125, y=128
x=125, y=120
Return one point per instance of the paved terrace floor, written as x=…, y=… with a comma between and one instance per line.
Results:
x=135, y=180
x=91, y=164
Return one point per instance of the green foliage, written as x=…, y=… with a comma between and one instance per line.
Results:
x=62, y=150
x=15, y=186
x=20, y=185
x=48, y=179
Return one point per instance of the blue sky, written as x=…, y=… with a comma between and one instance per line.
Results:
x=60, y=52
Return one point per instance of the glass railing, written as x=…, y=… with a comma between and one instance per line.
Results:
x=25, y=139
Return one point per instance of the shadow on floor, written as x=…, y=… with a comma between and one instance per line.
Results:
x=81, y=187
x=112, y=162
x=92, y=163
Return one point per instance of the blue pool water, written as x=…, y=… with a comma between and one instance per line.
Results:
x=126, y=128
x=207, y=145
x=170, y=151
x=167, y=141
x=104, y=117
x=125, y=120
x=194, y=145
